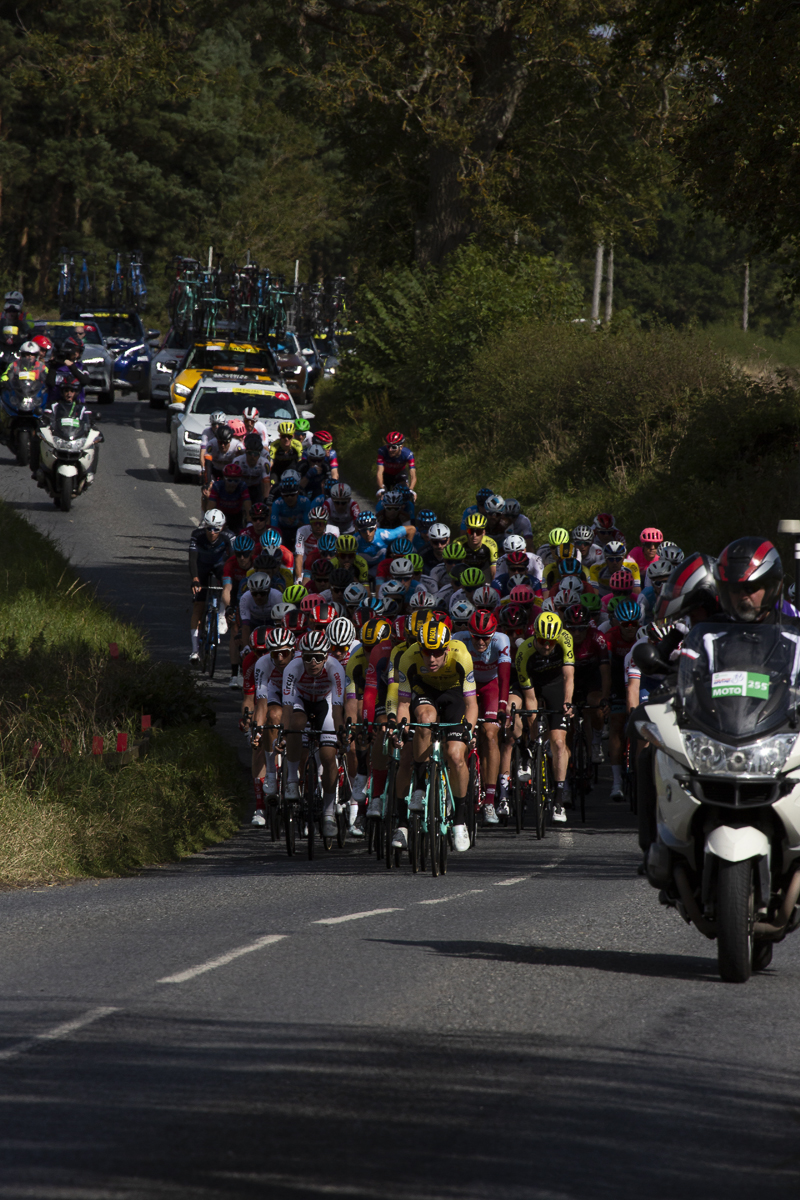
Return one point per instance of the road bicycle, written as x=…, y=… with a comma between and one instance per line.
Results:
x=580, y=771
x=116, y=283
x=209, y=630
x=65, y=288
x=543, y=787
x=85, y=286
x=520, y=788
x=136, y=286
x=430, y=832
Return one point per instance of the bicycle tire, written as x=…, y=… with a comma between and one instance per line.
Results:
x=434, y=822
x=415, y=842
x=344, y=792
x=540, y=790
x=310, y=783
x=213, y=634
x=274, y=822
x=472, y=791
x=287, y=807
x=387, y=824
x=516, y=788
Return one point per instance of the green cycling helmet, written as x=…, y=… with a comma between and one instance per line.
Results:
x=302, y=425
x=294, y=593
x=472, y=577
x=591, y=602
x=455, y=552
x=558, y=536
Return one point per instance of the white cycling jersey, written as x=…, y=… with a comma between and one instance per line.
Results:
x=520, y=525
x=253, y=476
x=219, y=457
x=257, y=614
x=486, y=662
x=268, y=677
x=299, y=686
x=535, y=566
x=305, y=533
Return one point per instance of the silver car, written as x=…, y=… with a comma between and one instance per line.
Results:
x=96, y=359
x=162, y=367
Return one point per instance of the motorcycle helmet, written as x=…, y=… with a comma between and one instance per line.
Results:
x=747, y=566
x=690, y=585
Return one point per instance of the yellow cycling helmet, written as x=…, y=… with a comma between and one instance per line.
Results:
x=416, y=621
x=346, y=544
x=287, y=427
x=558, y=536
x=548, y=626
x=454, y=552
x=294, y=593
x=476, y=521
x=565, y=550
x=375, y=631
x=472, y=577
x=434, y=635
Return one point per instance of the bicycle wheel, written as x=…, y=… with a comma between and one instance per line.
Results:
x=579, y=768
x=415, y=836
x=274, y=822
x=517, y=796
x=540, y=790
x=309, y=805
x=473, y=798
x=343, y=794
x=287, y=808
x=434, y=816
x=387, y=824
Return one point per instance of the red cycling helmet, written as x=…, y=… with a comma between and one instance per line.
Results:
x=323, y=437
x=575, y=617
x=308, y=604
x=233, y=471
x=322, y=568
x=399, y=629
x=259, y=512
x=394, y=438
x=296, y=621
x=43, y=342
x=517, y=558
x=651, y=536
x=259, y=639
x=604, y=521
x=513, y=616
x=482, y=623
x=445, y=618
x=323, y=613
x=621, y=581
x=522, y=594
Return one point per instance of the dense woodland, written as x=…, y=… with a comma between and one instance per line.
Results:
x=366, y=135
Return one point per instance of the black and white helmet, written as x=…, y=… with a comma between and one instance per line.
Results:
x=259, y=583
x=214, y=519
x=392, y=500
x=512, y=508
x=462, y=610
x=342, y=631
x=659, y=572
x=422, y=599
x=280, y=638
x=341, y=493
x=354, y=593
x=485, y=597
x=316, y=641
x=582, y=535
x=514, y=542
x=439, y=531
x=279, y=612
x=393, y=589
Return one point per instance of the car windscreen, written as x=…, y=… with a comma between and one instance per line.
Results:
x=243, y=358
x=233, y=401
x=57, y=332
x=283, y=345
x=119, y=325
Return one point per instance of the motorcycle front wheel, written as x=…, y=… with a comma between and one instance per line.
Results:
x=24, y=447
x=65, y=492
x=735, y=921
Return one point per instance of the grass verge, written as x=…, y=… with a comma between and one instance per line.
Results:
x=64, y=814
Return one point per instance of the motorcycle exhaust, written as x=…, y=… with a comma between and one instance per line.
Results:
x=690, y=904
x=775, y=930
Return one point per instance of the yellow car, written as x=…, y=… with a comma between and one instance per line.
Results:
x=244, y=360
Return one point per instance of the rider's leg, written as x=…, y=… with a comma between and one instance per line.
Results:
x=458, y=774
x=195, y=621
x=615, y=728
x=490, y=760
x=506, y=750
x=558, y=745
x=274, y=713
x=294, y=722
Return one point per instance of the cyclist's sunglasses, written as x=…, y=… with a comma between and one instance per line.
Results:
x=546, y=641
x=315, y=658
x=439, y=541
x=430, y=653
x=628, y=624
x=615, y=558
x=345, y=554
x=481, y=637
x=282, y=653
x=317, y=521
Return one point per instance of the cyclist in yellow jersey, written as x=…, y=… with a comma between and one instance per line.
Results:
x=481, y=550
x=614, y=559
x=545, y=666
x=436, y=682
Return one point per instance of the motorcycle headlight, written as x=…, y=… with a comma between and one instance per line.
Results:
x=300, y=369
x=188, y=436
x=182, y=390
x=759, y=759
x=91, y=362
x=63, y=443
x=330, y=370
x=163, y=368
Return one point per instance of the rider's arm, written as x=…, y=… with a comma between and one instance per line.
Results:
x=379, y=475
x=412, y=478
x=568, y=673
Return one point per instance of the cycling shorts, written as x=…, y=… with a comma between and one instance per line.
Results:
x=488, y=698
x=450, y=709
x=551, y=696
x=587, y=679
x=619, y=701
x=206, y=575
x=320, y=717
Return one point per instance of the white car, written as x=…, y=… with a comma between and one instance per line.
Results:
x=230, y=394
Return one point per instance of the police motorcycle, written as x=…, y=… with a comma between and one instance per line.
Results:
x=724, y=737
x=21, y=402
x=68, y=453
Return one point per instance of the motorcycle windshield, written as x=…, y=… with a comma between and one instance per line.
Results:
x=69, y=428
x=739, y=681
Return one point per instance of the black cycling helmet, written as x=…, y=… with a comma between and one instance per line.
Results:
x=746, y=567
x=253, y=443
x=224, y=434
x=691, y=585
x=72, y=346
x=342, y=577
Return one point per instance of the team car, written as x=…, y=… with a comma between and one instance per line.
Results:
x=96, y=359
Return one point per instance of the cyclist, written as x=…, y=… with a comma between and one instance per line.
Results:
x=655, y=577
x=436, y=683
x=214, y=422
x=479, y=506
x=545, y=666
x=650, y=542
x=342, y=509
x=592, y=672
x=433, y=556
x=286, y=451
x=614, y=559
x=315, y=472
x=517, y=523
x=374, y=632
x=393, y=511
x=325, y=439
x=221, y=450
x=495, y=517
x=605, y=530
x=256, y=602
x=253, y=425
x=255, y=466
x=347, y=556
x=325, y=548
x=470, y=579
x=620, y=639
x=398, y=548
x=290, y=511
x=481, y=550
x=308, y=538
x=531, y=564
x=490, y=652
x=268, y=684
x=395, y=464
x=234, y=573
x=313, y=690
x=371, y=542
x=210, y=547
x=231, y=496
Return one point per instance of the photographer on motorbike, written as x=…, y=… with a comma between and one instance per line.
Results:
x=14, y=315
x=26, y=360
x=65, y=362
x=67, y=400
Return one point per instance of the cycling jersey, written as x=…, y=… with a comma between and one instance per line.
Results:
x=219, y=457
x=520, y=525
x=285, y=460
x=372, y=552
x=206, y=555
x=267, y=679
x=376, y=679
x=484, y=556
x=392, y=686
x=535, y=669
x=456, y=672
x=286, y=517
x=394, y=466
x=252, y=613
x=232, y=572
x=600, y=574
x=299, y=686
x=359, y=565
x=493, y=663
x=535, y=566
x=355, y=672
x=307, y=540
x=342, y=517
x=230, y=503
x=592, y=650
x=249, y=660
x=255, y=475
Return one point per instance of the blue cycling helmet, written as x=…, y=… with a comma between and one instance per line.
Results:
x=366, y=520
x=243, y=544
x=627, y=610
x=569, y=566
x=326, y=544
x=427, y=517
x=271, y=539
x=400, y=547
x=483, y=494
x=374, y=604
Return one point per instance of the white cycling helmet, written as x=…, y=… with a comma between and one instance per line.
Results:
x=569, y=592
x=670, y=553
x=401, y=568
x=659, y=572
x=341, y=493
x=422, y=599
x=394, y=588
x=214, y=519
x=548, y=605
x=279, y=611
x=438, y=531
x=342, y=631
x=251, y=414
x=29, y=348
x=218, y=417
x=485, y=597
x=259, y=583
x=512, y=508
x=494, y=505
x=514, y=543
x=354, y=593
x=462, y=610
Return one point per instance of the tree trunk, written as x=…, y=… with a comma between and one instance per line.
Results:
x=746, y=298
x=598, y=282
x=447, y=220
x=610, y=284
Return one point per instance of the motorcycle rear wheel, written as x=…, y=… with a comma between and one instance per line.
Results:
x=735, y=921
x=24, y=447
x=65, y=493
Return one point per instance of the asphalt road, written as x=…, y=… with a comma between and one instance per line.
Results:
x=531, y=1025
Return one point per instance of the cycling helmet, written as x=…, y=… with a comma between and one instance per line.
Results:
x=374, y=604
x=354, y=593
x=280, y=638
x=417, y=563
x=522, y=594
x=547, y=626
x=422, y=599
x=375, y=630
x=628, y=612
x=570, y=566
x=259, y=583
x=72, y=346
x=217, y=418
x=455, y=552
x=476, y=520
x=342, y=631
x=308, y=602
x=290, y=483
x=558, y=536
x=315, y=453
x=43, y=342
x=258, y=639
x=691, y=584
x=582, y=535
x=250, y=414
x=399, y=630
x=426, y=517
x=417, y=621
x=392, y=499
x=252, y=444
x=346, y=544
x=29, y=349
x=512, y=508
x=671, y=553
x=287, y=428
x=621, y=581
x=321, y=568
x=232, y=471
x=485, y=597
x=513, y=616
x=482, y=495
x=266, y=562
x=323, y=437
x=393, y=590
x=482, y=623
x=462, y=610
x=658, y=572
x=604, y=523
x=591, y=602
x=316, y=641
x=748, y=564
x=341, y=493
x=400, y=546
x=518, y=561
x=323, y=613
x=401, y=568
x=514, y=544
x=439, y=532
x=214, y=519
x=651, y=536
x=260, y=512
x=575, y=616
x=341, y=577
x=301, y=425
x=295, y=593
x=296, y=621
x=394, y=438
x=279, y=612
x=547, y=606
x=13, y=300
x=318, y=513
x=243, y=544
x=614, y=549
x=434, y=635
x=494, y=505
x=472, y=577
x=326, y=543
x=366, y=520
x=68, y=383
x=569, y=592
x=224, y=435
x=271, y=541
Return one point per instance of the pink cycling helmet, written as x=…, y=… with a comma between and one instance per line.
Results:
x=651, y=536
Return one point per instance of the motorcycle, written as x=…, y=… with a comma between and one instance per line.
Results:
x=725, y=757
x=20, y=407
x=68, y=459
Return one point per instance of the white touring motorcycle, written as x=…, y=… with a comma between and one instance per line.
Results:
x=68, y=458
x=726, y=770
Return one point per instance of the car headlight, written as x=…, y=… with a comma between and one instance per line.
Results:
x=188, y=436
x=300, y=369
x=330, y=370
x=91, y=362
x=759, y=759
x=163, y=368
x=182, y=390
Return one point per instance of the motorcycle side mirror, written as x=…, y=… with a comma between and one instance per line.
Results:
x=648, y=659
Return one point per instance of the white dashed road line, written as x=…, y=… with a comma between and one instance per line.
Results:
x=175, y=497
x=142, y=444
x=223, y=960
x=59, y=1031
x=510, y=882
x=457, y=896
x=373, y=912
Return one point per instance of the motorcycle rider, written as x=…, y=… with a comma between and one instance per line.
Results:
x=749, y=577
x=14, y=314
x=27, y=360
x=64, y=372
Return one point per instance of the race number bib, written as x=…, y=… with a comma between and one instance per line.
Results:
x=739, y=683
